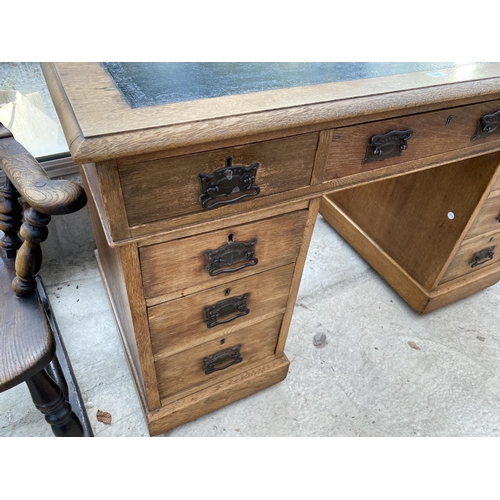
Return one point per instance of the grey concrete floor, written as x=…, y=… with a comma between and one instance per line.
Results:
x=365, y=381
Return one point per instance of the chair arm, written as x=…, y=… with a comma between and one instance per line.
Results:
x=48, y=196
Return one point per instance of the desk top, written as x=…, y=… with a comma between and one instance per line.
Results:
x=108, y=117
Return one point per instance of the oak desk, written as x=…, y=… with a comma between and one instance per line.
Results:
x=205, y=181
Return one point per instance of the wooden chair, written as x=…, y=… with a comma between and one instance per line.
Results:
x=30, y=349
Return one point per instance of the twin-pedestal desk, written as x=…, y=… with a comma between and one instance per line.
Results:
x=205, y=181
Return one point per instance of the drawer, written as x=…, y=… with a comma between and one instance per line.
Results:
x=185, y=322
x=210, y=259
x=171, y=187
x=237, y=352
x=473, y=256
x=496, y=184
x=488, y=218
x=432, y=133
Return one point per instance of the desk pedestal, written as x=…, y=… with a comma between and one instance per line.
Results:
x=433, y=235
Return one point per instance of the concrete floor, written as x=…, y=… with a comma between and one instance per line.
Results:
x=365, y=381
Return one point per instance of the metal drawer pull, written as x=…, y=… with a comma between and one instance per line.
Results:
x=482, y=256
x=232, y=355
x=221, y=260
x=488, y=125
x=224, y=308
x=387, y=145
x=228, y=185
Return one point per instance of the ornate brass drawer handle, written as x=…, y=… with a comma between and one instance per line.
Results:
x=221, y=260
x=224, y=308
x=488, y=125
x=223, y=185
x=387, y=145
x=484, y=255
x=231, y=354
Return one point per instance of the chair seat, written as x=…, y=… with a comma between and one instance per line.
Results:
x=26, y=341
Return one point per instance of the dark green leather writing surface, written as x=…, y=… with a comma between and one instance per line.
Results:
x=150, y=84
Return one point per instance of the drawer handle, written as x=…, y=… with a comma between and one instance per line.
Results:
x=387, y=145
x=238, y=305
x=232, y=355
x=488, y=125
x=221, y=260
x=482, y=256
x=228, y=185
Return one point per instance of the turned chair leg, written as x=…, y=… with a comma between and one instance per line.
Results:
x=50, y=400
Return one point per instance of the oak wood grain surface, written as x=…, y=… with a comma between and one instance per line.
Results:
x=487, y=220
x=26, y=341
x=309, y=141
x=133, y=327
x=201, y=221
x=284, y=164
x=176, y=411
x=179, y=409
x=462, y=287
x=48, y=196
x=177, y=268
x=106, y=180
x=417, y=297
x=408, y=216
x=297, y=274
x=462, y=261
x=100, y=125
x=433, y=133
x=402, y=282
x=496, y=184
x=184, y=371
x=179, y=324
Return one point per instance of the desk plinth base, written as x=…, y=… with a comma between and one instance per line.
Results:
x=180, y=411
x=410, y=290
x=217, y=396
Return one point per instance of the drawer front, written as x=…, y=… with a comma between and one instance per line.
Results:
x=496, y=184
x=172, y=187
x=473, y=256
x=208, y=260
x=218, y=359
x=432, y=133
x=188, y=321
x=488, y=218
